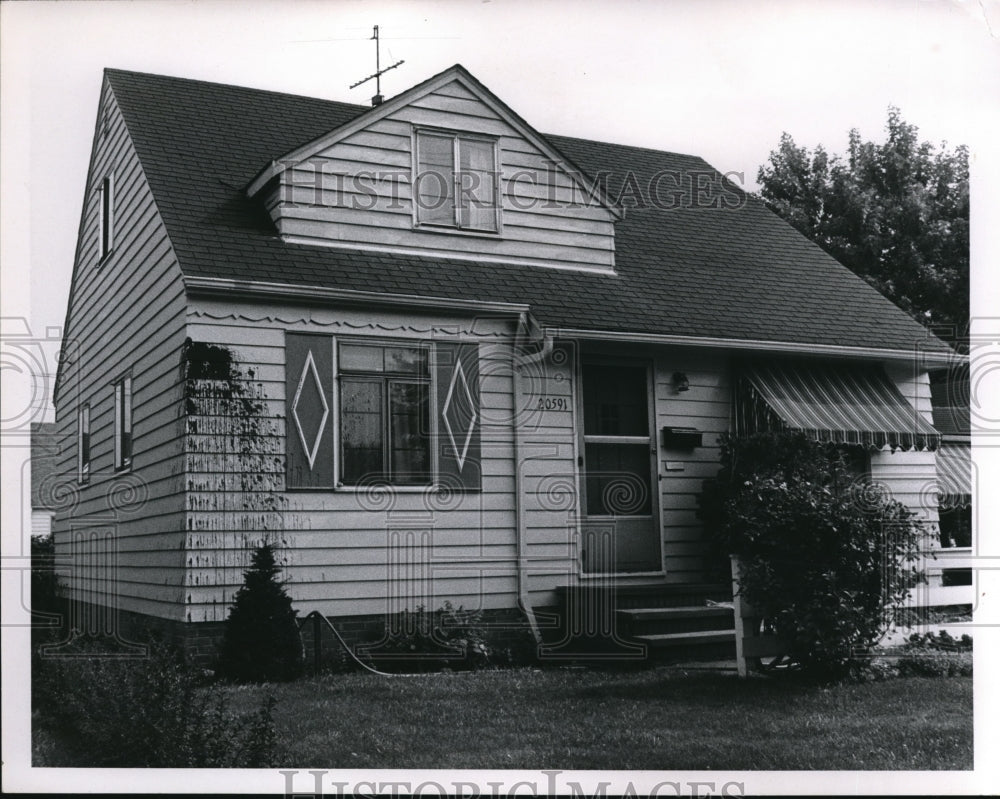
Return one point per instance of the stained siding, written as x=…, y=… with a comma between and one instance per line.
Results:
x=358, y=192
x=353, y=551
x=122, y=531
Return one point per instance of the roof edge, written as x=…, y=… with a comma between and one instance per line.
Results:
x=253, y=289
x=925, y=357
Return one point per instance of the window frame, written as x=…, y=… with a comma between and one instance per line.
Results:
x=124, y=407
x=455, y=227
x=385, y=379
x=106, y=217
x=83, y=450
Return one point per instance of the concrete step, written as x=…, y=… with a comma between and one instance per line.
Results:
x=670, y=640
x=682, y=612
x=682, y=619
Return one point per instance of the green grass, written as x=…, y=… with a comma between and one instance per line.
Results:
x=588, y=719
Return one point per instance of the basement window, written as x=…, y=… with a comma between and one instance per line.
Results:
x=455, y=180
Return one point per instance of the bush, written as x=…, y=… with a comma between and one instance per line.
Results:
x=822, y=556
x=127, y=711
x=448, y=637
x=940, y=655
x=46, y=594
x=261, y=641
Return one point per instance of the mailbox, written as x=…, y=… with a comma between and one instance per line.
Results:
x=681, y=437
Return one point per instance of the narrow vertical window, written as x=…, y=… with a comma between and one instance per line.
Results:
x=107, y=213
x=83, y=444
x=123, y=423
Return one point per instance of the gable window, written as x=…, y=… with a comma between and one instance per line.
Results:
x=123, y=423
x=456, y=181
x=83, y=444
x=384, y=418
x=107, y=216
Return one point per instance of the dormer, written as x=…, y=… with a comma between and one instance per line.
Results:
x=444, y=170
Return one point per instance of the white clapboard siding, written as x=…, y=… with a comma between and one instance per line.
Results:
x=705, y=406
x=125, y=314
x=346, y=551
x=911, y=477
x=358, y=192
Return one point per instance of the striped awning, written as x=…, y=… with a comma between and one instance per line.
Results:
x=954, y=473
x=840, y=403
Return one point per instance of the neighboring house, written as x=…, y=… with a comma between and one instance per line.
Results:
x=44, y=470
x=434, y=354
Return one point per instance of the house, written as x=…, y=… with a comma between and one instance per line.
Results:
x=44, y=476
x=433, y=354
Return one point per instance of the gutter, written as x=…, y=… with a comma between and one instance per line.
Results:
x=229, y=289
x=517, y=361
x=926, y=357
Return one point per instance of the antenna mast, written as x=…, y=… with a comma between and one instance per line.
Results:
x=377, y=99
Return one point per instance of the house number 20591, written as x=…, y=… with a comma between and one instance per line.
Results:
x=552, y=404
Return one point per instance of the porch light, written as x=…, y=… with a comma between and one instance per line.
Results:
x=680, y=382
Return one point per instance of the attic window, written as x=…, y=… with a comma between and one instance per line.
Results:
x=456, y=181
x=107, y=216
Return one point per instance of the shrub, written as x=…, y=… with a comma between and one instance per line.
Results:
x=447, y=637
x=941, y=655
x=45, y=589
x=126, y=711
x=261, y=641
x=822, y=556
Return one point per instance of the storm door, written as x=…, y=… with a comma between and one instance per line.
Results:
x=620, y=530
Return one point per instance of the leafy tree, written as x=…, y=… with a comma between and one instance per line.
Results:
x=897, y=214
x=261, y=641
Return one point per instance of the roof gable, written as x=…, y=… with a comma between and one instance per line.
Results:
x=477, y=92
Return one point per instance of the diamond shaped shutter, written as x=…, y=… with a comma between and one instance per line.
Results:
x=458, y=415
x=309, y=410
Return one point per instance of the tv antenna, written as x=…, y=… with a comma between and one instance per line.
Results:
x=378, y=98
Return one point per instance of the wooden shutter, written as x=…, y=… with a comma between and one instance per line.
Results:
x=309, y=410
x=458, y=416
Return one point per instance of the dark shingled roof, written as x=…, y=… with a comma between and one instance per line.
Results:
x=713, y=273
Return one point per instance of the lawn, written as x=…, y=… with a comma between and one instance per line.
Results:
x=591, y=719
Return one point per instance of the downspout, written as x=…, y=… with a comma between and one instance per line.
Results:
x=517, y=361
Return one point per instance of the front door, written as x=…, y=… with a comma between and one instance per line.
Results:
x=620, y=533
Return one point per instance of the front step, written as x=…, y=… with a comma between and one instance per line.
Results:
x=636, y=622
x=679, y=623
x=669, y=640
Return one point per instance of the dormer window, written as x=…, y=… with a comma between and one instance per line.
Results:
x=456, y=181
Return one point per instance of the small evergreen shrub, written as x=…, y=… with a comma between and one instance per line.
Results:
x=823, y=556
x=261, y=641
x=116, y=710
